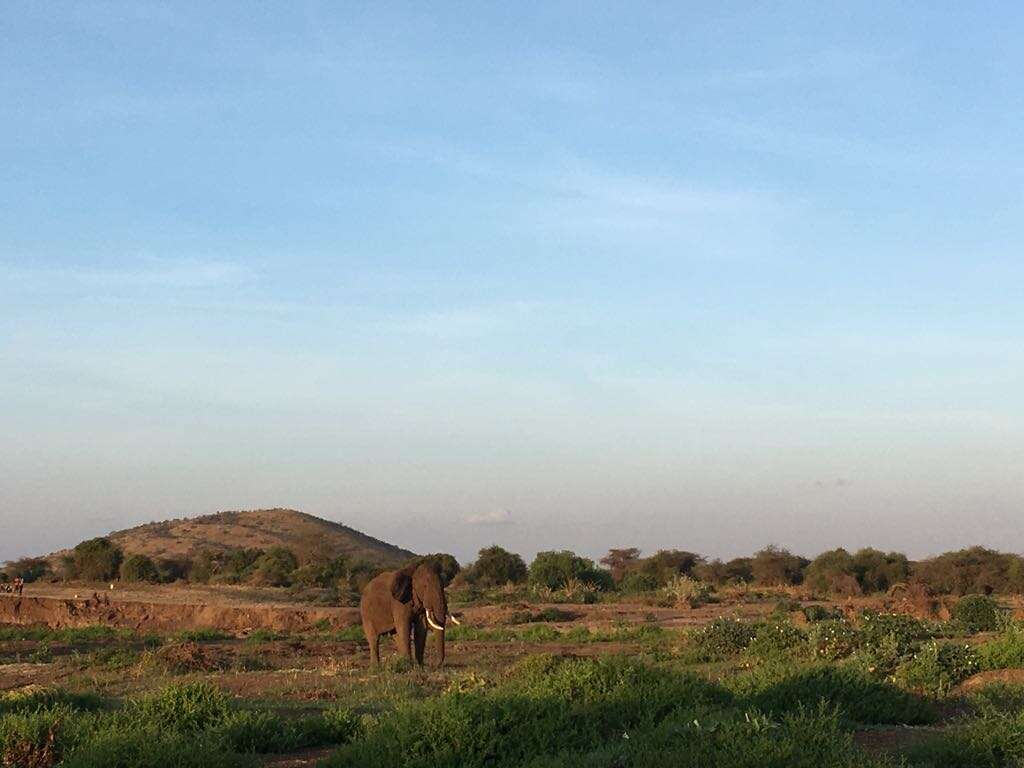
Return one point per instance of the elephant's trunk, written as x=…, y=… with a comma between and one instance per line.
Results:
x=440, y=647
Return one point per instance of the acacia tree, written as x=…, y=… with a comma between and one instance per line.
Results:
x=621, y=561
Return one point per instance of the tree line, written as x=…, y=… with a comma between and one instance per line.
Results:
x=837, y=572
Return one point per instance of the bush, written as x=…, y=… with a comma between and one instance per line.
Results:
x=893, y=628
x=994, y=740
x=274, y=567
x=544, y=706
x=974, y=570
x=815, y=613
x=94, y=560
x=1005, y=651
x=858, y=696
x=666, y=564
x=809, y=738
x=828, y=569
x=28, y=568
x=139, y=568
x=554, y=569
x=721, y=639
x=635, y=582
x=495, y=567
x=266, y=732
x=877, y=571
x=937, y=667
x=776, y=640
x=185, y=708
x=977, y=613
x=683, y=590
x=773, y=566
x=833, y=639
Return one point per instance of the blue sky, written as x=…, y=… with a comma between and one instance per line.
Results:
x=550, y=275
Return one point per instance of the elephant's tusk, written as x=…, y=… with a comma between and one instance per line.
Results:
x=455, y=621
x=433, y=624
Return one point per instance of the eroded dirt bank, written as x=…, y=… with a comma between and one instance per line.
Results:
x=97, y=608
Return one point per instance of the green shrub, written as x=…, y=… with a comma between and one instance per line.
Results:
x=815, y=613
x=545, y=615
x=635, y=582
x=833, y=639
x=859, y=697
x=266, y=732
x=904, y=632
x=685, y=590
x=495, y=567
x=141, y=748
x=94, y=560
x=998, y=698
x=1005, y=651
x=993, y=740
x=554, y=569
x=139, y=568
x=775, y=640
x=721, y=639
x=544, y=705
x=185, y=708
x=34, y=699
x=809, y=738
x=202, y=635
x=937, y=667
x=977, y=613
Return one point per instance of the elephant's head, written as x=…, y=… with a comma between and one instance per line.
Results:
x=420, y=585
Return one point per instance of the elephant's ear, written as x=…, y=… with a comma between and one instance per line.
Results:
x=401, y=587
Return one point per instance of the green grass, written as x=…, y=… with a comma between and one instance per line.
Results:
x=193, y=724
x=69, y=635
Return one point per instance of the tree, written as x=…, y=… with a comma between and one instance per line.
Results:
x=667, y=563
x=967, y=571
x=274, y=567
x=95, y=560
x=321, y=572
x=28, y=568
x=877, y=571
x=495, y=567
x=774, y=566
x=621, y=561
x=139, y=568
x=830, y=570
x=553, y=569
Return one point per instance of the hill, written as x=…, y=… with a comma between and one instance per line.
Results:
x=305, y=535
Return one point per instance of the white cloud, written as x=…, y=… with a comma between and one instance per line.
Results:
x=495, y=517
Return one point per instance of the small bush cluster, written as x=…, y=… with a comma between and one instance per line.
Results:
x=937, y=667
x=182, y=726
x=721, y=639
x=833, y=639
x=978, y=613
x=776, y=640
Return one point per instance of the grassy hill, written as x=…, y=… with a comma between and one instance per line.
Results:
x=303, y=534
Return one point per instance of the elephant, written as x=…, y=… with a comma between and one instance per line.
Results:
x=405, y=603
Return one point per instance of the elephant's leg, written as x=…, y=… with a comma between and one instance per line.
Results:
x=374, y=640
x=402, y=637
x=419, y=630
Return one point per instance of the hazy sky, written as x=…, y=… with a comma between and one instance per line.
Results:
x=705, y=275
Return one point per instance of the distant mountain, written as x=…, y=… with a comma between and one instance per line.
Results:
x=303, y=534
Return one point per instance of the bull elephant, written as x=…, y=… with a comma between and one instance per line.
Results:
x=405, y=603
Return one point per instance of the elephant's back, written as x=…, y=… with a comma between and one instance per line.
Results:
x=376, y=598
